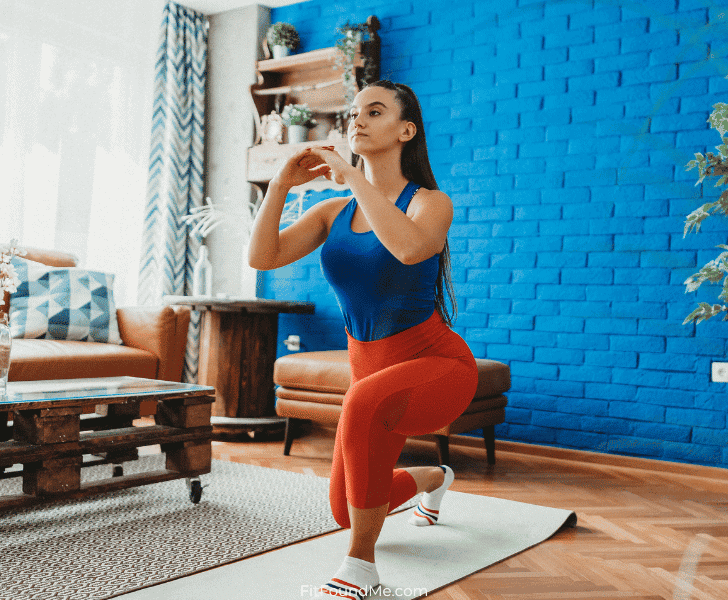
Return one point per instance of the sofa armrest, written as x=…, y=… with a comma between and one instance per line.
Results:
x=176, y=364
x=161, y=330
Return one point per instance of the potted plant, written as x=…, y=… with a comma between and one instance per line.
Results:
x=715, y=270
x=282, y=38
x=299, y=119
x=348, y=46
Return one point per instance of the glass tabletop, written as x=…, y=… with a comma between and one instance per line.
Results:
x=97, y=387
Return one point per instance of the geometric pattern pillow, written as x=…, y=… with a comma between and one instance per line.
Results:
x=63, y=303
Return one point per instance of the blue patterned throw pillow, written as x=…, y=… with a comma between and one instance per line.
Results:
x=63, y=303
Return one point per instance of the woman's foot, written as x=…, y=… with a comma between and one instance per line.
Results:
x=428, y=510
x=353, y=581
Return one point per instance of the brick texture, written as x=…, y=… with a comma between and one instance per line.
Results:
x=561, y=132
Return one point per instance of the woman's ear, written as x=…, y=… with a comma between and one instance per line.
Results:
x=410, y=132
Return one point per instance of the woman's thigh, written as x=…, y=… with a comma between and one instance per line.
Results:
x=414, y=397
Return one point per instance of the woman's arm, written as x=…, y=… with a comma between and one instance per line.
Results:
x=264, y=242
x=410, y=240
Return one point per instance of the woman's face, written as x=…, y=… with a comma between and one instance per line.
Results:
x=374, y=123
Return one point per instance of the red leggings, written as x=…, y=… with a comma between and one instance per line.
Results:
x=411, y=383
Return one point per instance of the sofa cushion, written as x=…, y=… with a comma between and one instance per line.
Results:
x=328, y=371
x=299, y=395
x=62, y=359
x=54, y=258
x=476, y=416
x=63, y=304
x=322, y=371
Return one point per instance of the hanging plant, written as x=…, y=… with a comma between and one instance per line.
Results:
x=714, y=271
x=348, y=46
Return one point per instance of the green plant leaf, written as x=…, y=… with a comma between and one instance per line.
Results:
x=704, y=312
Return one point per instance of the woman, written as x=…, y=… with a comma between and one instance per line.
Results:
x=385, y=254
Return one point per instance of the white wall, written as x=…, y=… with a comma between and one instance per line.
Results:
x=234, y=46
x=76, y=92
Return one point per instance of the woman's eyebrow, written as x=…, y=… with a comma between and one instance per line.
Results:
x=371, y=104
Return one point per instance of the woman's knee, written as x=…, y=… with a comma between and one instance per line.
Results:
x=356, y=395
x=341, y=515
x=356, y=408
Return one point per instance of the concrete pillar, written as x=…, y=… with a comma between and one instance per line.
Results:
x=234, y=45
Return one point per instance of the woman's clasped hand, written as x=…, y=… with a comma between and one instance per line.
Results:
x=312, y=162
x=337, y=166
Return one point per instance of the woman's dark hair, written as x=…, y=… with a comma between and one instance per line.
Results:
x=415, y=166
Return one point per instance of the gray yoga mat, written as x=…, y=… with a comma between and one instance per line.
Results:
x=473, y=533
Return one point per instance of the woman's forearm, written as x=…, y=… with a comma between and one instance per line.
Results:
x=263, y=247
x=398, y=233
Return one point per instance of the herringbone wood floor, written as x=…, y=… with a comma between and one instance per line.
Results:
x=641, y=534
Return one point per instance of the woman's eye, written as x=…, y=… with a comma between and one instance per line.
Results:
x=353, y=116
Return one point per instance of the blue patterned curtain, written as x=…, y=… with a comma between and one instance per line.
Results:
x=175, y=183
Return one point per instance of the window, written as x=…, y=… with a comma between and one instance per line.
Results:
x=76, y=86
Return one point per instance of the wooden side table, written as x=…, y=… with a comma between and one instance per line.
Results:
x=238, y=341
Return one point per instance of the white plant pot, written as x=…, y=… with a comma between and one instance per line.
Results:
x=281, y=51
x=297, y=134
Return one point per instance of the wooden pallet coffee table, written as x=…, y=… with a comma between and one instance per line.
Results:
x=52, y=439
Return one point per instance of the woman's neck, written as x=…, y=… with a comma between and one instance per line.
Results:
x=383, y=171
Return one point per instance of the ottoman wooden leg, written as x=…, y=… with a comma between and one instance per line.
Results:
x=289, y=437
x=489, y=439
x=443, y=450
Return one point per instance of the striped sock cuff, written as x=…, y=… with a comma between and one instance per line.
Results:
x=342, y=589
x=426, y=513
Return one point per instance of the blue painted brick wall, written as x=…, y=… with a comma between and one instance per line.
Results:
x=561, y=131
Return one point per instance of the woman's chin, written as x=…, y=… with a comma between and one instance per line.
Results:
x=356, y=146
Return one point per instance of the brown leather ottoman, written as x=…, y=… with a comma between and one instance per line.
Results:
x=311, y=385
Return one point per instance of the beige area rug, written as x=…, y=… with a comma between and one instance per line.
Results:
x=104, y=546
x=152, y=543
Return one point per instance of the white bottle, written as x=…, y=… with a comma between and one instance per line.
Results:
x=202, y=274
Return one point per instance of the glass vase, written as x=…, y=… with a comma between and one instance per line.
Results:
x=6, y=342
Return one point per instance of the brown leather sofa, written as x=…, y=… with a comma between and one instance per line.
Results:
x=154, y=341
x=312, y=385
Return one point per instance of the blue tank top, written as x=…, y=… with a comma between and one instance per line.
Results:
x=377, y=294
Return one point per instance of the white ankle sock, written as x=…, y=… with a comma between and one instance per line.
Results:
x=428, y=510
x=353, y=580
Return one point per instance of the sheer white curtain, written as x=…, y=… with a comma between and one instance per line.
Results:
x=76, y=89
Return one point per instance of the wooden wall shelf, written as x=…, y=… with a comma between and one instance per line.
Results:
x=316, y=59
x=311, y=78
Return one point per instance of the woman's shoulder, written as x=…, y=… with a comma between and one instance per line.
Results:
x=333, y=206
x=424, y=198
